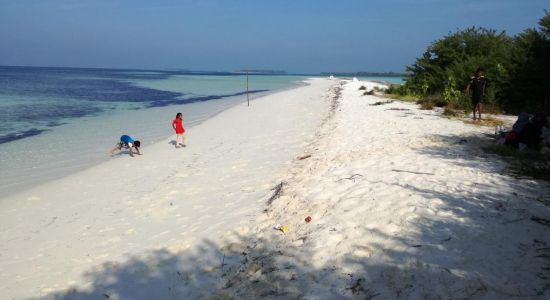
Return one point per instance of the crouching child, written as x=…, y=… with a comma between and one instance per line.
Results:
x=129, y=143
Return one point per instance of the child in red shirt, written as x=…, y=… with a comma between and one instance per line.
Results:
x=177, y=124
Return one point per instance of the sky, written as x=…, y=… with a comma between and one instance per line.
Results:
x=299, y=36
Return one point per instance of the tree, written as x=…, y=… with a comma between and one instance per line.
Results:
x=448, y=63
x=529, y=86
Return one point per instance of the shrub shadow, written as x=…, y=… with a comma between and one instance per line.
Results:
x=460, y=255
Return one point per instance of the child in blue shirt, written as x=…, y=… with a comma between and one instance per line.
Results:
x=127, y=142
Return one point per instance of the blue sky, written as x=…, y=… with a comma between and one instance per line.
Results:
x=303, y=36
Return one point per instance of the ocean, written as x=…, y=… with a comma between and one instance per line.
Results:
x=55, y=121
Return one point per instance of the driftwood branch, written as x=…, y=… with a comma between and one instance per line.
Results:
x=515, y=220
x=381, y=102
x=544, y=200
x=223, y=262
x=277, y=192
x=540, y=221
x=413, y=172
x=352, y=177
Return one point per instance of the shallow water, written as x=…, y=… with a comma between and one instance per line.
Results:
x=57, y=121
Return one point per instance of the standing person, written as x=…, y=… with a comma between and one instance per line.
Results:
x=177, y=124
x=127, y=142
x=477, y=86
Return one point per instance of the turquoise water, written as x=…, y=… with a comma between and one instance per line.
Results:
x=59, y=121
x=36, y=100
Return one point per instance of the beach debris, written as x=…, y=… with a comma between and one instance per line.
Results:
x=352, y=177
x=397, y=108
x=308, y=219
x=223, y=262
x=413, y=172
x=540, y=220
x=278, y=190
x=515, y=220
x=543, y=200
x=283, y=228
x=304, y=157
x=371, y=92
x=362, y=88
x=446, y=240
x=381, y=103
x=51, y=222
x=358, y=288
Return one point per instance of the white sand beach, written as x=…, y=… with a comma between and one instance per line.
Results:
x=404, y=205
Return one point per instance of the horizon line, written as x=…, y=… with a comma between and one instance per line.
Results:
x=236, y=72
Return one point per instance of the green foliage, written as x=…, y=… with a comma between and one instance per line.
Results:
x=544, y=25
x=529, y=86
x=396, y=89
x=517, y=68
x=448, y=64
x=450, y=92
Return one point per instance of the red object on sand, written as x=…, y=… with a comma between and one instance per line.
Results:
x=308, y=219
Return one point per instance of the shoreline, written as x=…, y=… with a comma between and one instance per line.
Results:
x=11, y=179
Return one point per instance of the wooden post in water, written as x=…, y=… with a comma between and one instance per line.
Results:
x=247, y=98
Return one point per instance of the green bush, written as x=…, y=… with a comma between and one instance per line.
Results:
x=517, y=69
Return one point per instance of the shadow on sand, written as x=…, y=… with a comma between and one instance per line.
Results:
x=489, y=249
